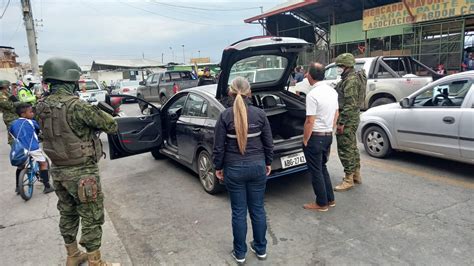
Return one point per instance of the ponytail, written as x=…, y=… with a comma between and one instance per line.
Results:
x=240, y=122
x=240, y=86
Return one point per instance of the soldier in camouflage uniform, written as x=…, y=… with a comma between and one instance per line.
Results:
x=7, y=105
x=70, y=131
x=351, y=90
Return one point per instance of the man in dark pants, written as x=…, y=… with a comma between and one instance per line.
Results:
x=321, y=116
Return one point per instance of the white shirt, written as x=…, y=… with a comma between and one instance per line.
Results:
x=322, y=102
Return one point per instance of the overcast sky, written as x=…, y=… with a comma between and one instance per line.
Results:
x=85, y=30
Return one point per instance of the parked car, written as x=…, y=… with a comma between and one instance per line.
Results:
x=159, y=87
x=91, y=92
x=437, y=120
x=389, y=78
x=183, y=128
x=127, y=87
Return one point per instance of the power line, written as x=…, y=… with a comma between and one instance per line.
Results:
x=207, y=9
x=177, y=19
x=5, y=10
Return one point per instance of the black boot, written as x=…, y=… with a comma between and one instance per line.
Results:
x=44, y=174
x=17, y=174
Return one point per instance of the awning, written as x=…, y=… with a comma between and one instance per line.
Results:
x=282, y=8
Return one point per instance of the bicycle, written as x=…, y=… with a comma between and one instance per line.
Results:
x=27, y=178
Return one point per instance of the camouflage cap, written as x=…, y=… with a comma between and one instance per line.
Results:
x=4, y=83
x=63, y=69
x=346, y=60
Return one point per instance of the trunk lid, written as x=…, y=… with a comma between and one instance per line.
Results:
x=265, y=61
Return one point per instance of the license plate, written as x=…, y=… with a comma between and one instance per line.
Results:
x=292, y=160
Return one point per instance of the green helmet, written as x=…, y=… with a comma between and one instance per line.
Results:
x=63, y=69
x=346, y=60
x=4, y=84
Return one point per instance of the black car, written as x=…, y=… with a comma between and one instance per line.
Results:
x=183, y=128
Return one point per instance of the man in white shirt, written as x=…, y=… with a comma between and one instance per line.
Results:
x=321, y=117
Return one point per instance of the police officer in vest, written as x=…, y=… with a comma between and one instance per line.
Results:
x=26, y=94
x=70, y=131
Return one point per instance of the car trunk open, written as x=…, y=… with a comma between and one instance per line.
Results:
x=285, y=112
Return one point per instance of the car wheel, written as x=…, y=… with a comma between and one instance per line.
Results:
x=382, y=101
x=376, y=142
x=207, y=175
x=156, y=154
x=163, y=99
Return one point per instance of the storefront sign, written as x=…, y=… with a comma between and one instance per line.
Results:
x=422, y=10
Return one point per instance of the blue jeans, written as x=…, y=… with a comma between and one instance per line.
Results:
x=246, y=182
x=317, y=155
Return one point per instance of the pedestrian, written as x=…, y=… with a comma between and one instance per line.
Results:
x=26, y=93
x=7, y=105
x=321, y=118
x=440, y=70
x=299, y=74
x=243, y=154
x=25, y=129
x=351, y=94
x=468, y=63
x=206, y=78
x=70, y=139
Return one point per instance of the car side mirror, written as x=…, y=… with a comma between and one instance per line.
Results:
x=106, y=108
x=405, y=103
x=143, y=108
x=141, y=83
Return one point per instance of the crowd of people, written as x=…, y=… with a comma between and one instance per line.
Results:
x=243, y=149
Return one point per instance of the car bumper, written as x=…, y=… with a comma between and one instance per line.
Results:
x=288, y=171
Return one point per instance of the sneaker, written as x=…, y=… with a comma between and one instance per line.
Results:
x=240, y=261
x=259, y=256
x=316, y=207
x=47, y=190
x=332, y=203
x=17, y=191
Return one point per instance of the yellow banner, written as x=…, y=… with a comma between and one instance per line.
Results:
x=422, y=10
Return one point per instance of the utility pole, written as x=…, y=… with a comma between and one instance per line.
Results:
x=172, y=54
x=162, y=55
x=184, y=58
x=263, y=28
x=30, y=35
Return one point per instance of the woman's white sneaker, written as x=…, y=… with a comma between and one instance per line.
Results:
x=259, y=256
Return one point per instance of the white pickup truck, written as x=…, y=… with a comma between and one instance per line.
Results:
x=389, y=78
x=91, y=92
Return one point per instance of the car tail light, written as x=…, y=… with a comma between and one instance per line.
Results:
x=175, y=88
x=125, y=89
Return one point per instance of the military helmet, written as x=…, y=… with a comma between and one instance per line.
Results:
x=4, y=84
x=346, y=60
x=62, y=69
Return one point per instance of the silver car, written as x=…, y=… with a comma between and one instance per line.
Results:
x=437, y=120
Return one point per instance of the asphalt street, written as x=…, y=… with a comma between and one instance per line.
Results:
x=410, y=209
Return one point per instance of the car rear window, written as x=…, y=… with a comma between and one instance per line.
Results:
x=259, y=69
x=88, y=85
x=130, y=83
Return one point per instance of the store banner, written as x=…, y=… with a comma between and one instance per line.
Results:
x=422, y=10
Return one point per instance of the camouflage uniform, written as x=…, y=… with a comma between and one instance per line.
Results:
x=84, y=120
x=70, y=130
x=7, y=107
x=349, y=116
x=351, y=91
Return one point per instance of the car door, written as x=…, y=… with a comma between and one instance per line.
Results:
x=431, y=125
x=137, y=133
x=190, y=126
x=144, y=90
x=466, y=129
x=188, y=80
x=155, y=87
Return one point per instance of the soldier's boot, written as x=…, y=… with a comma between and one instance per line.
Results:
x=357, y=176
x=347, y=183
x=95, y=260
x=74, y=256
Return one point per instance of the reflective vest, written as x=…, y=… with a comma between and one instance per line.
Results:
x=60, y=143
x=25, y=95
